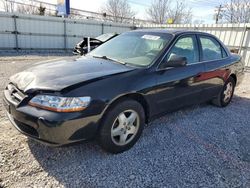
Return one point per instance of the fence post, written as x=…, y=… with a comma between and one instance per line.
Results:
x=102, y=28
x=242, y=39
x=65, y=35
x=15, y=31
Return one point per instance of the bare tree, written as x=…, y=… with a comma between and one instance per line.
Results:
x=236, y=11
x=41, y=10
x=31, y=8
x=178, y=12
x=118, y=10
x=158, y=12
x=8, y=6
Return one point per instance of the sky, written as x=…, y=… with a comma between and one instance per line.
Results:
x=202, y=9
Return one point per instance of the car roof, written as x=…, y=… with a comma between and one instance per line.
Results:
x=170, y=31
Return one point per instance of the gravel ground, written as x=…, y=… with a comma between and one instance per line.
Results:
x=199, y=146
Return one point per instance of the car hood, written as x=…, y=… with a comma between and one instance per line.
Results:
x=58, y=75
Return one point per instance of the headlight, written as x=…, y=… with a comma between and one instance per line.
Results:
x=60, y=104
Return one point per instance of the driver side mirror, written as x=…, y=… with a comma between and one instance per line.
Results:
x=176, y=61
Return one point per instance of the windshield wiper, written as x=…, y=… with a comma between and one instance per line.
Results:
x=111, y=59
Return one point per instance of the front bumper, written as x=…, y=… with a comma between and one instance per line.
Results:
x=51, y=128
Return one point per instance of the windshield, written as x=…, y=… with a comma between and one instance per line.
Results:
x=105, y=37
x=136, y=48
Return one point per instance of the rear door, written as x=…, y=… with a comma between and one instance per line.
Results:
x=213, y=55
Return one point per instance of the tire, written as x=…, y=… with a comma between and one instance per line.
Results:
x=222, y=100
x=122, y=126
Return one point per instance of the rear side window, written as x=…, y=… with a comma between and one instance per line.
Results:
x=211, y=49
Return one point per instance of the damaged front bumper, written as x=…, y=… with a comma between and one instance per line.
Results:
x=49, y=127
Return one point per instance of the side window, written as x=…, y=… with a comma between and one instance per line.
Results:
x=211, y=49
x=186, y=47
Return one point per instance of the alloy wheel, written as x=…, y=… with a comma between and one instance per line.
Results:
x=125, y=127
x=228, y=92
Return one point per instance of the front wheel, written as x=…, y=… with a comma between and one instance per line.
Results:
x=122, y=126
x=226, y=95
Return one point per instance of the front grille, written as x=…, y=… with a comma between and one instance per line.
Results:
x=16, y=95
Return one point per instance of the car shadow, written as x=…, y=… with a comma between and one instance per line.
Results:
x=87, y=165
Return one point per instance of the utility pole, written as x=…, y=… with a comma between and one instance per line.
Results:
x=218, y=13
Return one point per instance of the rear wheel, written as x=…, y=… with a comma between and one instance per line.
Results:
x=226, y=95
x=122, y=126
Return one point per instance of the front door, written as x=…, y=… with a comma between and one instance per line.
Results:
x=180, y=86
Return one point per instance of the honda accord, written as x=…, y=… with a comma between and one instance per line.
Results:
x=113, y=91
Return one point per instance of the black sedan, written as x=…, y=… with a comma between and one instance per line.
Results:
x=116, y=89
x=88, y=44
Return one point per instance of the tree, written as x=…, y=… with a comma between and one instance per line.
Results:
x=118, y=10
x=41, y=10
x=237, y=11
x=30, y=8
x=180, y=13
x=161, y=10
x=8, y=6
x=158, y=12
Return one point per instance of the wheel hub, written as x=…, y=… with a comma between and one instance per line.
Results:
x=125, y=127
x=228, y=92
